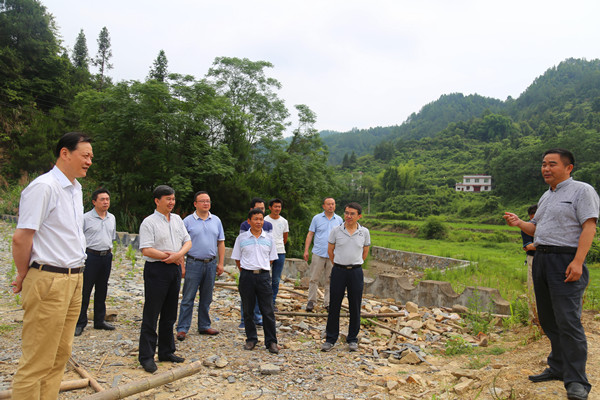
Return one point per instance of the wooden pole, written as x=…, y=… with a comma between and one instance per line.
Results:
x=362, y=314
x=144, y=384
x=379, y=324
x=84, y=374
x=64, y=386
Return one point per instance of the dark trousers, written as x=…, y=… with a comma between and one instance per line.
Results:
x=161, y=293
x=257, y=288
x=342, y=279
x=559, y=305
x=95, y=274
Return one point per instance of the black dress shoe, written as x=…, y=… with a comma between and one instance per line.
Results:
x=273, y=348
x=149, y=366
x=576, y=391
x=545, y=375
x=249, y=345
x=172, y=358
x=104, y=326
x=78, y=330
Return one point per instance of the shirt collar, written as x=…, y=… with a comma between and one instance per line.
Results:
x=62, y=178
x=161, y=215
x=262, y=233
x=564, y=183
x=196, y=217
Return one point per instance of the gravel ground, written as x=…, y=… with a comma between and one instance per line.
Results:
x=300, y=370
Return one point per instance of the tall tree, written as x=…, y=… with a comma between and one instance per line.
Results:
x=102, y=60
x=260, y=113
x=80, y=55
x=34, y=79
x=159, y=69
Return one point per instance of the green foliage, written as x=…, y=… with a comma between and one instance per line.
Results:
x=433, y=228
x=456, y=345
x=159, y=70
x=103, y=56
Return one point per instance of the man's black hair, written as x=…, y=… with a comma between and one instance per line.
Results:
x=70, y=141
x=99, y=191
x=565, y=155
x=532, y=209
x=256, y=200
x=325, y=198
x=162, y=190
x=355, y=206
x=198, y=193
x=276, y=200
x=255, y=211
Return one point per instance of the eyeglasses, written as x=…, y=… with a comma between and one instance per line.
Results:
x=203, y=201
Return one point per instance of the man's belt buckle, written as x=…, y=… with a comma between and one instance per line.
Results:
x=257, y=271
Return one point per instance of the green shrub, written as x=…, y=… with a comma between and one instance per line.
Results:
x=457, y=345
x=433, y=228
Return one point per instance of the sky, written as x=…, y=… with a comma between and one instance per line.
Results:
x=356, y=64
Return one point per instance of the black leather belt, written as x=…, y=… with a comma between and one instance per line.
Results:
x=98, y=253
x=204, y=260
x=256, y=271
x=52, y=268
x=556, y=249
x=352, y=266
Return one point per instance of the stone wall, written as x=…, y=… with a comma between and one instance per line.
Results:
x=419, y=261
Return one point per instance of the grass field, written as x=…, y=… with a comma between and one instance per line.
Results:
x=495, y=250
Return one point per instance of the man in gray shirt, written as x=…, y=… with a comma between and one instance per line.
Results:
x=99, y=228
x=163, y=242
x=348, y=247
x=563, y=228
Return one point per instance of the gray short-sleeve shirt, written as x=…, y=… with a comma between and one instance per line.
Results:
x=561, y=213
x=349, y=248
x=162, y=234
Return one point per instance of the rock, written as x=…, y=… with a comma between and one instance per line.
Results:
x=413, y=316
x=210, y=361
x=463, y=385
x=411, y=307
x=457, y=308
x=482, y=339
x=414, y=324
x=416, y=378
x=408, y=332
x=269, y=369
x=391, y=384
x=410, y=357
x=221, y=362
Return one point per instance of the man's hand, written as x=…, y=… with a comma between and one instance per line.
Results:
x=18, y=284
x=511, y=219
x=573, y=272
x=172, y=257
x=220, y=269
x=306, y=256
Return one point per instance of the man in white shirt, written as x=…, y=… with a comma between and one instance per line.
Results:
x=253, y=252
x=163, y=242
x=99, y=228
x=280, y=234
x=49, y=252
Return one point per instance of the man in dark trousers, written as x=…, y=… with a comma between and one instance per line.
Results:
x=563, y=228
x=348, y=248
x=99, y=228
x=163, y=242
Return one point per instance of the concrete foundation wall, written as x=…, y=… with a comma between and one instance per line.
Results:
x=419, y=261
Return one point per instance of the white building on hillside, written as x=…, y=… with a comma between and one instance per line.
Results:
x=475, y=183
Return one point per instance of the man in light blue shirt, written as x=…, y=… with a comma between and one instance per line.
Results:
x=202, y=265
x=319, y=228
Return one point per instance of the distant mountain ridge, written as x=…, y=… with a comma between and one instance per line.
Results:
x=571, y=86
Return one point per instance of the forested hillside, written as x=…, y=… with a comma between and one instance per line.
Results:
x=560, y=109
x=222, y=132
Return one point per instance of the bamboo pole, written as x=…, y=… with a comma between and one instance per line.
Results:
x=379, y=324
x=362, y=314
x=84, y=374
x=64, y=386
x=145, y=384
